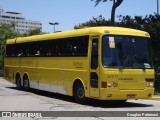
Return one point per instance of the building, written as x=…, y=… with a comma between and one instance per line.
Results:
x=21, y=24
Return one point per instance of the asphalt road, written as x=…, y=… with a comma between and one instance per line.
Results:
x=12, y=99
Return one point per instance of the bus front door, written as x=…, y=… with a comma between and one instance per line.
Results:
x=94, y=70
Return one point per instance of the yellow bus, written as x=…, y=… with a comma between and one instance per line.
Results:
x=105, y=63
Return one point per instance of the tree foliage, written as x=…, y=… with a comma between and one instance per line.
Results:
x=149, y=23
x=116, y=3
x=99, y=21
x=6, y=32
x=32, y=32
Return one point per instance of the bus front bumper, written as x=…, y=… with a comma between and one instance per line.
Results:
x=115, y=94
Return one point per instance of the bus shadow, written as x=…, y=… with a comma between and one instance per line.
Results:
x=91, y=102
x=117, y=104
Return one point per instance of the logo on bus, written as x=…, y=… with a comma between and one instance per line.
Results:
x=78, y=64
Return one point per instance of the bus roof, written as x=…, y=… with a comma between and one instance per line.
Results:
x=81, y=32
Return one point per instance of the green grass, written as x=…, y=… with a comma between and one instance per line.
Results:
x=157, y=93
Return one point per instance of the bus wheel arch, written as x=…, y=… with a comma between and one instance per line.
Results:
x=18, y=80
x=79, y=91
x=26, y=85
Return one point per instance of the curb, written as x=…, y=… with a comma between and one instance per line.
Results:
x=155, y=97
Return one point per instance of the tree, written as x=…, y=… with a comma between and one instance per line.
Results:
x=31, y=32
x=99, y=21
x=6, y=32
x=116, y=3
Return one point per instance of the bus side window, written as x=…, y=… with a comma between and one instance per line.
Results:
x=9, y=50
x=29, y=49
x=20, y=53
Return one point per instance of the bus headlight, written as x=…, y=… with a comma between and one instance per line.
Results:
x=109, y=84
x=149, y=84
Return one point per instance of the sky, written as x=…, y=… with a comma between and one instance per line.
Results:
x=73, y=12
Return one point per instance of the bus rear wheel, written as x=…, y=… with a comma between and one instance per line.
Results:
x=79, y=93
x=26, y=84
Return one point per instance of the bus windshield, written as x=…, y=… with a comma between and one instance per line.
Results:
x=126, y=51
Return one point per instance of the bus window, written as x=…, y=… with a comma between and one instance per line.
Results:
x=126, y=51
x=94, y=56
x=9, y=50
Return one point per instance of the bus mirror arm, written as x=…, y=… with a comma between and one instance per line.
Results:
x=121, y=67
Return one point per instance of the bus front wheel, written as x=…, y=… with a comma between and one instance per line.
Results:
x=79, y=93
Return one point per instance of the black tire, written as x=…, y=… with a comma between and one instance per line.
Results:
x=18, y=82
x=79, y=93
x=26, y=84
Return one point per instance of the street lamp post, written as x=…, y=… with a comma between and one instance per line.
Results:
x=157, y=7
x=54, y=24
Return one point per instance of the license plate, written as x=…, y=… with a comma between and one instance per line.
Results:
x=131, y=95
